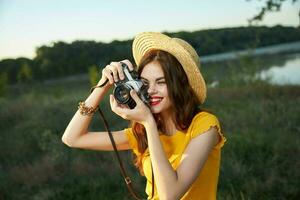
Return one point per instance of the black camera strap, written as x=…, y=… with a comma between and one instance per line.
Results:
x=122, y=169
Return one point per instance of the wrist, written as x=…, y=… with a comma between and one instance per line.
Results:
x=104, y=83
x=150, y=122
x=96, y=95
x=86, y=110
x=99, y=87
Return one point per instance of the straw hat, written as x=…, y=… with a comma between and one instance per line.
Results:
x=183, y=51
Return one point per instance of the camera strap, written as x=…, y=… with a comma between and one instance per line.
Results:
x=122, y=169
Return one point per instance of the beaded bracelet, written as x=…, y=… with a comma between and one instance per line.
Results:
x=85, y=110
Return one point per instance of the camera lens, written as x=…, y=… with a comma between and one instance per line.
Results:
x=121, y=93
x=124, y=94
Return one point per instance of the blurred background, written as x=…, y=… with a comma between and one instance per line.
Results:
x=52, y=52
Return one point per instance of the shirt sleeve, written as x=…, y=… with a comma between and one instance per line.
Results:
x=132, y=140
x=202, y=122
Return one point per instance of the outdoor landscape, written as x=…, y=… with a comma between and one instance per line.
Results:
x=260, y=120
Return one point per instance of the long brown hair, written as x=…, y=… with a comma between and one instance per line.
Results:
x=185, y=104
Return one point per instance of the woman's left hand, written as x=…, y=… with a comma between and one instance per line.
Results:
x=140, y=113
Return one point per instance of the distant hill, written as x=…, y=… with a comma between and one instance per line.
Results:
x=62, y=59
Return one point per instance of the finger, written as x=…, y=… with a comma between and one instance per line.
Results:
x=113, y=68
x=113, y=103
x=129, y=64
x=111, y=100
x=135, y=97
x=120, y=71
x=120, y=110
x=106, y=72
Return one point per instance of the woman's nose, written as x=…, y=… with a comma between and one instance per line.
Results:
x=152, y=89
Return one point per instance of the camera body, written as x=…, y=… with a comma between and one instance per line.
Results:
x=131, y=81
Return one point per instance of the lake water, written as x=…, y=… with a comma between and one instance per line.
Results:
x=277, y=69
x=288, y=73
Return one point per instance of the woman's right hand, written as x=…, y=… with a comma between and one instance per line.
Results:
x=113, y=73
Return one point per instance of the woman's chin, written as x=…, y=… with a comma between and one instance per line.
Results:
x=155, y=109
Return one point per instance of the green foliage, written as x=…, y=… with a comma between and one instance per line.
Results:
x=260, y=123
x=94, y=75
x=12, y=66
x=24, y=74
x=213, y=41
x=61, y=59
x=3, y=83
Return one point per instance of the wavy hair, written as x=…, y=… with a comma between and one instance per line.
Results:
x=184, y=102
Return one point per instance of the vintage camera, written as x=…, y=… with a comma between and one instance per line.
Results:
x=131, y=81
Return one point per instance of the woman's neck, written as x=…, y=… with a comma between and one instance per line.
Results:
x=170, y=127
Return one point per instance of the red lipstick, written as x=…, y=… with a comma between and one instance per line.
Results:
x=155, y=100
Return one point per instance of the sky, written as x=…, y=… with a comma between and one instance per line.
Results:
x=28, y=24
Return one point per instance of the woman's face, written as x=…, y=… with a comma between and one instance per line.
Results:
x=152, y=75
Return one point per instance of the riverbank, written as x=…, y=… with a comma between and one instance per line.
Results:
x=269, y=50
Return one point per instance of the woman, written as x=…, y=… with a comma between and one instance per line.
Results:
x=171, y=136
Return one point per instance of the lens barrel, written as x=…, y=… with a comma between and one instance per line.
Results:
x=122, y=95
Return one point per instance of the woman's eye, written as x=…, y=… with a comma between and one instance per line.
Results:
x=161, y=82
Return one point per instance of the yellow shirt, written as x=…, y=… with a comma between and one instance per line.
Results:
x=205, y=186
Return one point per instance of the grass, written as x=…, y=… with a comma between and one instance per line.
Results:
x=259, y=161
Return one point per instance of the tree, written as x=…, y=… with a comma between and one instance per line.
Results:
x=24, y=74
x=269, y=6
x=3, y=83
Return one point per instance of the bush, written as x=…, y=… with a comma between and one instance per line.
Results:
x=3, y=83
